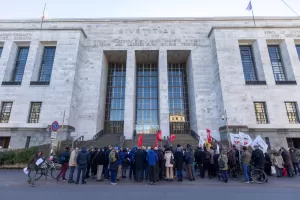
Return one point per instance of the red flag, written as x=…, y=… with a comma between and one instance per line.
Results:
x=209, y=140
x=140, y=140
x=172, y=138
x=158, y=136
x=156, y=143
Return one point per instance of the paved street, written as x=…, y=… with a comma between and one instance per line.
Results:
x=13, y=186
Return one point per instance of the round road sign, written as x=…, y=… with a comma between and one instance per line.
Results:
x=55, y=126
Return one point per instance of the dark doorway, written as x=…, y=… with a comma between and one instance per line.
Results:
x=293, y=142
x=4, y=142
x=27, y=141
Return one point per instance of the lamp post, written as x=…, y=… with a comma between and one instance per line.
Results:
x=224, y=117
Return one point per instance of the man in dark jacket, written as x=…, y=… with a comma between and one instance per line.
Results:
x=152, y=159
x=106, y=171
x=88, y=168
x=161, y=164
x=179, y=159
x=287, y=161
x=64, y=161
x=189, y=159
x=205, y=163
x=99, y=160
x=295, y=160
x=157, y=164
x=82, y=161
x=199, y=159
x=139, y=159
x=258, y=158
x=132, y=165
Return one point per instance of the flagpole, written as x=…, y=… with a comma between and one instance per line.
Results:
x=253, y=14
x=43, y=15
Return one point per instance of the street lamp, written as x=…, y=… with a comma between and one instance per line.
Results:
x=224, y=117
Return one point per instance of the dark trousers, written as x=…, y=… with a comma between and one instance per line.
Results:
x=224, y=175
x=106, y=171
x=94, y=169
x=113, y=176
x=211, y=170
x=152, y=173
x=131, y=170
x=139, y=174
x=124, y=170
x=296, y=167
x=204, y=168
x=81, y=169
x=72, y=169
x=278, y=171
x=146, y=172
x=63, y=171
x=179, y=174
x=157, y=172
x=88, y=169
x=162, y=170
x=190, y=170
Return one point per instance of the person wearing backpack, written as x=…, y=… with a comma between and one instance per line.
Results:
x=113, y=165
x=223, y=166
x=64, y=161
x=246, y=158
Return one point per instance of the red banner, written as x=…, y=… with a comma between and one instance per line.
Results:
x=140, y=140
x=172, y=138
x=159, y=136
x=156, y=143
x=209, y=140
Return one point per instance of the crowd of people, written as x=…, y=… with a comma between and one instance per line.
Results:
x=157, y=164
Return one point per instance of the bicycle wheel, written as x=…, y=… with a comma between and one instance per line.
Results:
x=258, y=176
x=38, y=174
x=236, y=173
x=54, y=173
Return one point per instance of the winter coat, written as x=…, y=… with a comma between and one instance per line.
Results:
x=189, y=158
x=168, y=157
x=286, y=158
x=83, y=157
x=31, y=164
x=152, y=158
x=122, y=157
x=225, y=159
x=114, y=165
x=200, y=156
x=107, y=152
x=212, y=153
x=179, y=159
x=139, y=158
x=246, y=158
x=65, y=156
x=100, y=158
x=294, y=155
x=72, y=160
x=277, y=161
x=258, y=158
x=231, y=158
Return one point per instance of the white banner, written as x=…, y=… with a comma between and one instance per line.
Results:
x=235, y=139
x=201, y=142
x=245, y=140
x=261, y=143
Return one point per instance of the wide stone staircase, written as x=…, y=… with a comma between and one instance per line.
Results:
x=184, y=139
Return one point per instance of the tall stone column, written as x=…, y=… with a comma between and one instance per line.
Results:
x=130, y=95
x=163, y=93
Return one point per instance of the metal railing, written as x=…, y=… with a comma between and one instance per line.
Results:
x=99, y=134
x=76, y=142
x=195, y=135
x=122, y=140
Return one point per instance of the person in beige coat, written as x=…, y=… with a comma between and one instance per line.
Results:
x=278, y=162
x=169, y=157
x=72, y=164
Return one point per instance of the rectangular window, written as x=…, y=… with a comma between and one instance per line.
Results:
x=35, y=110
x=5, y=112
x=297, y=48
x=261, y=113
x=248, y=63
x=47, y=64
x=292, y=112
x=276, y=61
x=1, y=49
x=20, y=64
x=27, y=144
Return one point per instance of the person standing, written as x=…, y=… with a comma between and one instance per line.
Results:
x=99, y=160
x=189, y=159
x=139, y=158
x=125, y=163
x=287, y=161
x=206, y=163
x=278, y=162
x=82, y=160
x=246, y=157
x=64, y=161
x=157, y=164
x=106, y=171
x=179, y=159
x=72, y=164
x=200, y=159
x=223, y=166
x=132, y=164
x=295, y=160
x=152, y=159
x=212, y=163
x=169, y=158
x=113, y=165
x=32, y=167
x=122, y=157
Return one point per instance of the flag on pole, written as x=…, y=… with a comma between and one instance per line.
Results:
x=45, y=13
x=250, y=8
x=209, y=140
x=140, y=140
x=159, y=135
x=172, y=138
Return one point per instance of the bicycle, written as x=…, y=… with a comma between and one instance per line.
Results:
x=256, y=175
x=45, y=168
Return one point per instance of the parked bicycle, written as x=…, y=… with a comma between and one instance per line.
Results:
x=256, y=175
x=48, y=166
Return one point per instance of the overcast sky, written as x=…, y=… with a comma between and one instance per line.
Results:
x=21, y=9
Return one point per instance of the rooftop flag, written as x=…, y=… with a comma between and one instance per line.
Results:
x=249, y=7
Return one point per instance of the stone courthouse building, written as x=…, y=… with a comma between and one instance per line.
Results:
x=178, y=75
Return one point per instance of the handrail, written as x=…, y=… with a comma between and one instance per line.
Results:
x=99, y=134
x=122, y=140
x=195, y=135
x=76, y=142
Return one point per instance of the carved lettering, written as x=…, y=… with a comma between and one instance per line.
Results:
x=15, y=36
x=278, y=34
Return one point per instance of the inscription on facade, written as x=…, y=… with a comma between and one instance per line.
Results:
x=15, y=36
x=149, y=43
x=278, y=34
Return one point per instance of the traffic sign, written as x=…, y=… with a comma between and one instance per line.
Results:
x=53, y=135
x=55, y=126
